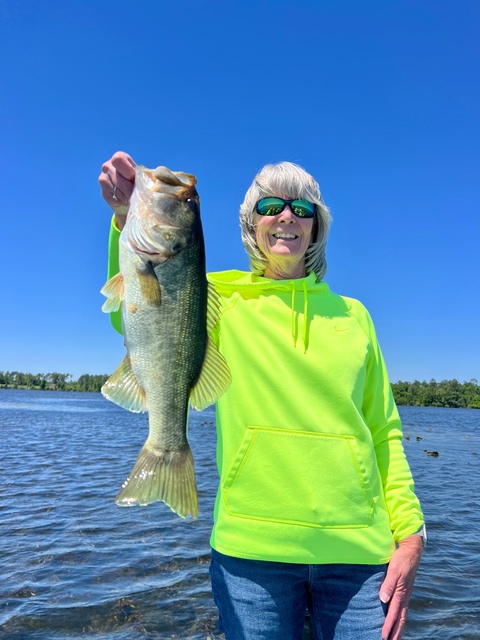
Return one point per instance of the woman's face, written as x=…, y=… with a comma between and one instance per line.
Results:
x=283, y=239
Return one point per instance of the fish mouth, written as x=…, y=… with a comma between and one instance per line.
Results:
x=173, y=183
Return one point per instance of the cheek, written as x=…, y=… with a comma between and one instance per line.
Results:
x=262, y=242
x=308, y=231
x=261, y=233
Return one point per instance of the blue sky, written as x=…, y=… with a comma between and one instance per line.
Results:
x=378, y=100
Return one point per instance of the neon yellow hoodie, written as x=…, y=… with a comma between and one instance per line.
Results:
x=309, y=452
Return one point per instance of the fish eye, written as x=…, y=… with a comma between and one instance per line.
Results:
x=193, y=205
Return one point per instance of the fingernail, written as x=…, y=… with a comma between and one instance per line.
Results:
x=384, y=597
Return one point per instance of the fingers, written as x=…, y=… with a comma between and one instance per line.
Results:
x=396, y=616
x=387, y=590
x=124, y=164
x=117, y=181
x=395, y=620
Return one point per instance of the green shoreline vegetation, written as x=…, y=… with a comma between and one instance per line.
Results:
x=447, y=393
x=51, y=381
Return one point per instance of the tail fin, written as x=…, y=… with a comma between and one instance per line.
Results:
x=168, y=476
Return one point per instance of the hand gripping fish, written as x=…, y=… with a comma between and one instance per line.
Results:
x=171, y=362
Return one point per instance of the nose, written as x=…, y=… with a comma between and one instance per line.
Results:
x=286, y=215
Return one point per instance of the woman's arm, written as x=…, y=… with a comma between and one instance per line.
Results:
x=403, y=506
x=117, y=181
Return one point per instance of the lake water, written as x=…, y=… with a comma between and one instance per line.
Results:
x=74, y=565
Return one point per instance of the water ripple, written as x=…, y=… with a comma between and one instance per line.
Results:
x=76, y=565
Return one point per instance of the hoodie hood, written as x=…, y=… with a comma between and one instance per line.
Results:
x=243, y=281
x=247, y=284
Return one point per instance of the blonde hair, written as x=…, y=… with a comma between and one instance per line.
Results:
x=287, y=180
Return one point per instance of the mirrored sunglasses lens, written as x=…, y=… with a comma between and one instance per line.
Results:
x=303, y=208
x=270, y=206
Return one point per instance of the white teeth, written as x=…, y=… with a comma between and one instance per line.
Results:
x=284, y=235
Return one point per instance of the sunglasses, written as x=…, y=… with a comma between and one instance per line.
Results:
x=274, y=206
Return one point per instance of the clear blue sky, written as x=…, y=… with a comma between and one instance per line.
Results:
x=378, y=100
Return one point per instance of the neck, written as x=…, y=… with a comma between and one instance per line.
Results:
x=276, y=272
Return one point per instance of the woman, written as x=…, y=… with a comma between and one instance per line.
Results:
x=315, y=506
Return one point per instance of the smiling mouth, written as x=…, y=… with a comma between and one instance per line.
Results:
x=285, y=236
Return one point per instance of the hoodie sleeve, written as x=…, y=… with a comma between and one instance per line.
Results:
x=381, y=414
x=113, y=269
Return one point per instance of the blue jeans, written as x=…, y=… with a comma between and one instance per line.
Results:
x=260, y=600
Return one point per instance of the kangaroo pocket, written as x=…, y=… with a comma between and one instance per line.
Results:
x=299, y=477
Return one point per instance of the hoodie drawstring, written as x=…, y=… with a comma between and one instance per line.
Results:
x=294, y=337
x=305, y=315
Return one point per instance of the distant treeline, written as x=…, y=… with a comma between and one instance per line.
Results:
x=54, y=381
x=448, y=393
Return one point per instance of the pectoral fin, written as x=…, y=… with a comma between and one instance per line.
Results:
x=113, y=291
x=150, y=287
x=213, y=381
x=124, y=389
x=215, y=376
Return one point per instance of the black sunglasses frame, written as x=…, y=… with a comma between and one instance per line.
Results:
x=285, y=203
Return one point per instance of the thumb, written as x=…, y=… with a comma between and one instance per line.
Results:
x=386, y=590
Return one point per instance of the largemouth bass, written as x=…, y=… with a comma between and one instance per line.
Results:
x=170, y=359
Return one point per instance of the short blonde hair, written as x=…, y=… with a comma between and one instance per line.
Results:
x=287, y=180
